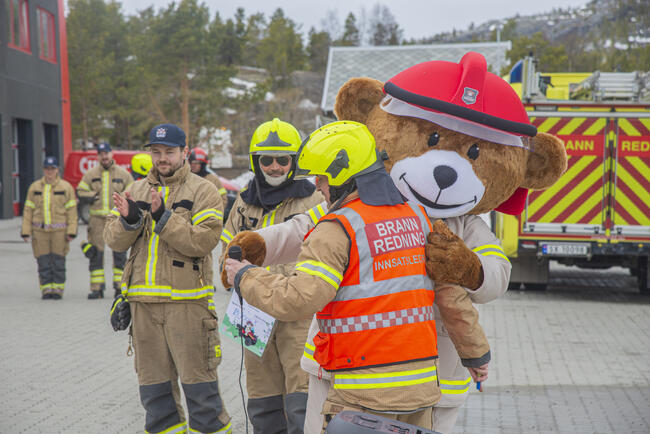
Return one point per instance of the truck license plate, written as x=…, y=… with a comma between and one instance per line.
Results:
x=568, y=249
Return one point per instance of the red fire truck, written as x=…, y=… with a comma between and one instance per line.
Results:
x=598, y=214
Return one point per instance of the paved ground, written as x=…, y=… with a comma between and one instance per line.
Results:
x=571, y=360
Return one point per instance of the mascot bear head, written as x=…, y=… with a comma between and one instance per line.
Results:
x=458, y=137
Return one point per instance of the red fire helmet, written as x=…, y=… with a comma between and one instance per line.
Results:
x=199, y=154
x=466, y=98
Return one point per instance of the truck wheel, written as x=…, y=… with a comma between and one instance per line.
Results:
x=84, y=212
x=643, y=275
x=514, y=286
x=535, y=286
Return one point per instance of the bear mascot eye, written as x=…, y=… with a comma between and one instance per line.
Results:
x=433, y=139
x=472, y=152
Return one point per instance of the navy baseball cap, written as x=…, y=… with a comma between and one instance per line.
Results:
x=50, y=162
x=103, y=147
x=167, y=134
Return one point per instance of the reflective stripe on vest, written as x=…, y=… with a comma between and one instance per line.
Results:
x=376, y=321
x=385, y=379
x=385, y=295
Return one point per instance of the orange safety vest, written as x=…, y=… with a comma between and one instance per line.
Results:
x=383, y=310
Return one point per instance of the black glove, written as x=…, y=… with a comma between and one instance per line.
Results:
x=89, y=250
x=134, y=213
x=159, y=212
x=120, y=313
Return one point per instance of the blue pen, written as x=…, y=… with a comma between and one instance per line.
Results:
x=478, y=386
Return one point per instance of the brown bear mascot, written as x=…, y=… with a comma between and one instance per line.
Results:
x=459, y=143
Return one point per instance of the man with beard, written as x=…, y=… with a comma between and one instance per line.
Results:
x=171, y=220
x=97, y=187
x=277, y=387
x=199, y=165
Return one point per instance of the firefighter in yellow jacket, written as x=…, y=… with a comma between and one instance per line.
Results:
x=199, y=164
x=97, y=187
x=171, y=220
x=362, y=271
x=277, y=387
x=50, y=219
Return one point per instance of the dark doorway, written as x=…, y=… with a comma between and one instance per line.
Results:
x=3, y=187
x=51, y=140
x=23, y=173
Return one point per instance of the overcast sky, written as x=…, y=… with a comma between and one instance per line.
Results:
x=418, y=18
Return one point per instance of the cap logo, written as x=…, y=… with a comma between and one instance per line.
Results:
x=161, y=133
x=469, y=95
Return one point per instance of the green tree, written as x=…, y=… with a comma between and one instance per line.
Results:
x=281, y=51
x=551, y=58
x=318, y=49
x=253, y=36
x=97, y=52
x=351, y=36
x=181, y=76
x=384, y=29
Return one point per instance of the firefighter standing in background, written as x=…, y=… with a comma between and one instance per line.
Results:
x=141, y=165
x=277, y=387
x=362, y=269
x=97, y=186
x=50, y=219
x=171, y=221
x=198, y=164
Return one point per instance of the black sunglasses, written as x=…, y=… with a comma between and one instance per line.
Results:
x=267, y=160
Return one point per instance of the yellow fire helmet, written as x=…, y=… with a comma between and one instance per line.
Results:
x=274, y=137
x=340, y=150
x=141, y=164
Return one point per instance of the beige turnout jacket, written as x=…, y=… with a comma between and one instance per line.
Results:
x=102, y=183
x=50, y=207
x=170, y=260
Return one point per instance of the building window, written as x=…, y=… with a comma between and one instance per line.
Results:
x=19, y=25
x=47, y=38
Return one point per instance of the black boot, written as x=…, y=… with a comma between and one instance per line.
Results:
x=55, y=296
x=46, y=296
x=96, y=294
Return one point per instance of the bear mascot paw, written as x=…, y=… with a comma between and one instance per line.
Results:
x=253, y=250
x=443, y=244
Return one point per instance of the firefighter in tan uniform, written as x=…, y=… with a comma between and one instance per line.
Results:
x=171, y=220
x=362, y=269
x=97, y=187
x=50, y=219
x=199, y=164
x=277, y=387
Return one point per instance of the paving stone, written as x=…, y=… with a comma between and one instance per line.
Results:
x=572, y=359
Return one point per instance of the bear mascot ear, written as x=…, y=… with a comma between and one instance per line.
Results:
x=357, y=98
x=547, y=161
